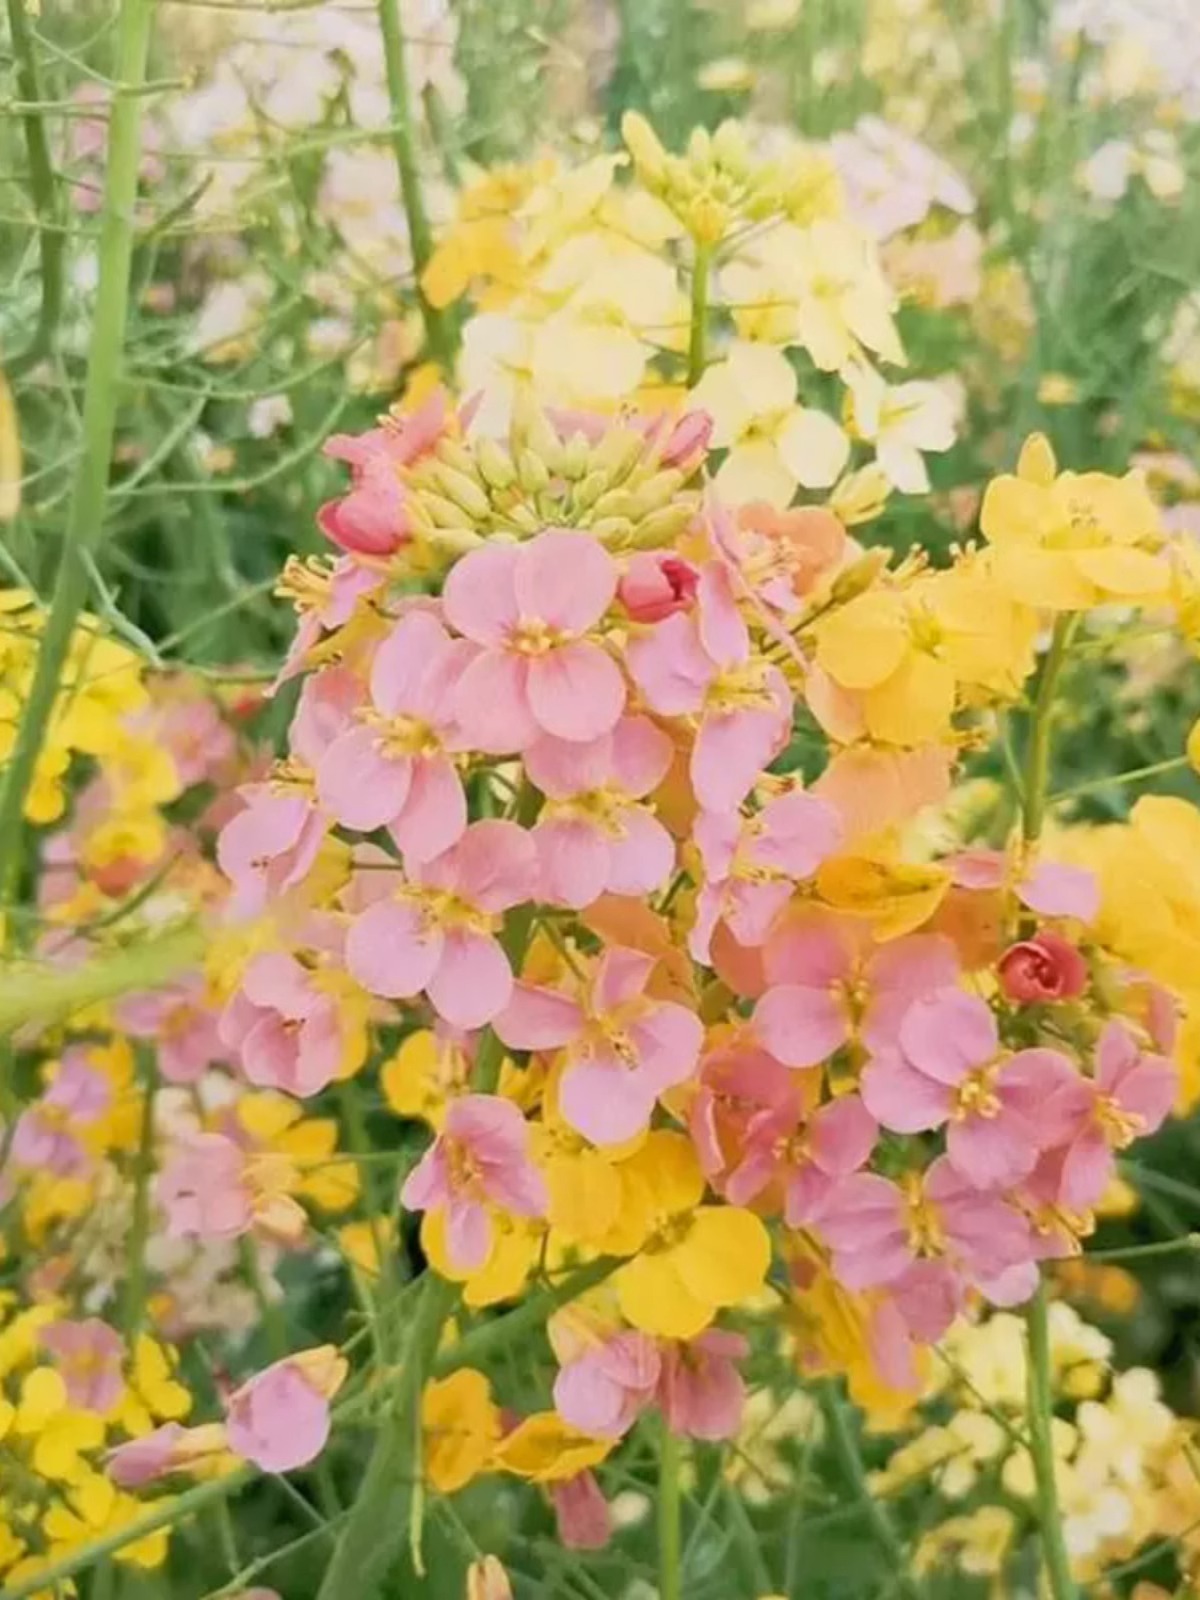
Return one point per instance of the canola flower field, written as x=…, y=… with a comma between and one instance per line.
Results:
x=600, y=800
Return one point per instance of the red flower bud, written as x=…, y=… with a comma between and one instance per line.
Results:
x=655, y=585
x=1046, y=967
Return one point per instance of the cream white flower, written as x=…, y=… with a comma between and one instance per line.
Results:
x=901, y=421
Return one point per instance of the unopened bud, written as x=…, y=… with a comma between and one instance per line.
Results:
x=487, y=1580
x=455, y=454
x=618, y=453
x=662, y=526
x=464, y=492
x=612, y=530
x=860, y=496
x=858, y=577
x=590, y=490
x=645, y=147
x=532, y=472
x=495, y=465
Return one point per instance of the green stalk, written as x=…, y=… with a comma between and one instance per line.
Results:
x=1040, y=1391
x=437, y=328
x=85, y=515
x=52, y=238
x=133, y=1299
x=381, y=1516
x=846, y=1448
x=1041, y=1412
x=698, y=334
x=670, y=1519
x=48, y=994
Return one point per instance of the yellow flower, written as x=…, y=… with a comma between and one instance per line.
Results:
x=695, y=1258
x=545, y=1449
x=361, y=1243
x=307, y=1146
x=515, y=1248
x=152, y=1394
x=1067, y=541
x=461, y=1426
x=423, y=1075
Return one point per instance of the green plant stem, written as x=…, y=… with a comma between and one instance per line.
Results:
x=1189, y=1243
x=269, y=1309
x=483, y=1343
x=381, y=1516
x=670, y=1519
x=437, y=327
x=1041, y=1413
x=846, y=1447
x=133, y=1301
x=1040, y=1389
x=85, y=515
x=1134, y=775
x=48, y=994
x=698, y=333
x=1037, y=756
x=52, y=238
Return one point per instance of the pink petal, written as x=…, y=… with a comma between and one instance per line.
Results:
x=491, y=706
x=473, y=981
x=902, y=1098
x=929, y=1296
x=538, y=1019
x=816, y=950
x=754, y=908
x=566, y=579
x=562, y=767
x=359, y=786
x=479, y=596
x=576, y=691
x=621, y=976
x=1149, y=1092
x=642, y=858
x=573, y=859
x=799, y=1026
x=723, y=633
x=392, y=951
x=899, y=973
x=841, y=1135
x=407, y=672
x=670, y=667
x=1055, y=890
x=992, y=1152
x=798, y=832
x=641, y=756
x=948, y=1034
x=667, y=1039
x=607, y=1104
x=468, y=1235
x=493, y=866
x=277, y=980
x=434, y=816
x=586, y=1397
x=731, y=751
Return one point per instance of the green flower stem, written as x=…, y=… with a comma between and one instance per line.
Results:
x=133, y=1300
x=85, y=515
x=48, y=994
x=382, y=1515
x=1189, y=1243
x=164, y=1515
x=1041, y=1413
x=846, y=1447
x=698, y=334
x=52, y=237
x=437, y=328
x=482, y=1343
x=1040, y=1393
x=670, y=1519
x=1134, y=775
x=269, y=1309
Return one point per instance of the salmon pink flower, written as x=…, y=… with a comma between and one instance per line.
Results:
x=608, y=1385
x=829, y=985
x=326, y=598
x=803, y=1157
x=47, y=1134
x=879, y=1230
x=480, y=1159
x=169, y=1448
x=372, y=519
x=1130, y=1096
x=270, y=846
x=701, y=665
x=182, y=1026
x=593, y=835
x=279, y=1419
x=393, y=769
x=737, y=1084
x=212, y=1188
x=701, y=1392
x=437, y=931
x=1046, y=968
x=285, y=1030
x=88, y=1355
x=623, y=1047
x=656, y=585
x=947, y=1068
x=752, y=864
x=530, y=609
x=1050, y=888
x=581, y=1513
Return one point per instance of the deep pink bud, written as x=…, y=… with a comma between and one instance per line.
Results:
x=1047, y=967
x=687, y=441
x=656, y=585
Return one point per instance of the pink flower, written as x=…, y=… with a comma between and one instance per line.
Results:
x=701, y=665
x=581, y=1513
x=1049, y=888
x=623, y=1047
x=88, y=1356
x=878, y=1230
x=737, y=1085
x=279, y=1419
x=752, y=864
x=270, y=847
x=393, y=770
x=1131, y=1096
x=805, y=1157
x=1046, y=968
x=830, y=986
x=326, y=600
x=701, y=1391
x=182, y=1026
x=141, y=1461
x=480, y=1159
x=687, y=443
x=437, y=931
x=656, y=585
x=947, y=1067
x=592, y=835
x=46, y=1134
x=212, y=1188
x=372, y=518
x=284, y=1029
x=608, y=1386
x=530, y=609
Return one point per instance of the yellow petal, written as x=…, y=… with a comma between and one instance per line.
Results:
x=1036, y=463
x=652, y=1297
x=724, y=1257
x=914, y=706
x=862, y=644
x=1124, y=573
x=545, y=1449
